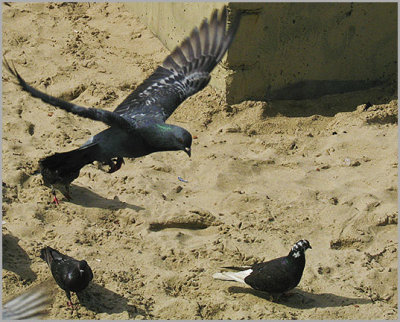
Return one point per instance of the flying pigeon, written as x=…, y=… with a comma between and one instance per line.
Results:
x=137, y=126
x=275, y=276
x=31, y=304
x=70, y=274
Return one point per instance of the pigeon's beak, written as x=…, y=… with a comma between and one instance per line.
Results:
x=188, y=151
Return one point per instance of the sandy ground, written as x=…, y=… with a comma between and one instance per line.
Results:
x=256, y=184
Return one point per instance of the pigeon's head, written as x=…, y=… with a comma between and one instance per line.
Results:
x=180, y=139
x=82, y=265
x=168, y=137
x=299, y=248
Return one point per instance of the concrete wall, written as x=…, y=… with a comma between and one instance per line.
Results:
x=291, y=50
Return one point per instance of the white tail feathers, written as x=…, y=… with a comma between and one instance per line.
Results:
x=233, y=276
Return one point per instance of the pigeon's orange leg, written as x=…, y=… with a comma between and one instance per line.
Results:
x=55, y=200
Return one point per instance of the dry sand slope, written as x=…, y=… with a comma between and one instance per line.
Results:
x=256, y=184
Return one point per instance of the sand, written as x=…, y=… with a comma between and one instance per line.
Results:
x=258, y=181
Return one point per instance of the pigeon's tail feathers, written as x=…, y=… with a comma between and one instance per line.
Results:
x=71, y=160
x=49, y=255
x=233, y=276
x=45, y=254
x=32, y=304
x=223, y=277
x=65, y=167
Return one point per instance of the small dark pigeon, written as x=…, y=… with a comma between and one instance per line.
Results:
x=275, y=276
x=137, y=125
x=32, y=304
x=70, y=274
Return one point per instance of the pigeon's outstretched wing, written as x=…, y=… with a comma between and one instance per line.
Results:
x=109, y=118
x=32, y=304
x=184, y=72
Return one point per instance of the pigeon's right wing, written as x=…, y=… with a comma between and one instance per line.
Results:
x=109, y=118
x=184, y=72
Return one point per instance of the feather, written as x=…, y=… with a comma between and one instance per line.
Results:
x=233, y=276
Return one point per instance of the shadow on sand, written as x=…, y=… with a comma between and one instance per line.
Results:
x=304, y=300
x=98, y=299
x=87, y=198
x=15, y=259
x=327, y=97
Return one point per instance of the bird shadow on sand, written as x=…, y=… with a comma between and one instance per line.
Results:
x=304, y=300
x=15, y=259
x=98, y=299
x=87, y=198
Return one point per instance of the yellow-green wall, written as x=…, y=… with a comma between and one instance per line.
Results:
x=299, y=48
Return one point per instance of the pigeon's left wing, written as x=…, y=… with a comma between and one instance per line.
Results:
x=183, y=73
x=271, y=276
x=109, y=118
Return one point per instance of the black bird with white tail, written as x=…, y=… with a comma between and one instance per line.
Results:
x=70, y=274
x=275, y=276
x=137, y=126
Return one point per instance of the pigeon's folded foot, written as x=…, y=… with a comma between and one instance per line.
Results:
x=115, y=165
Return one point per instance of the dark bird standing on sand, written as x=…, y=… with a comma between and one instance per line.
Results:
x=275, y=276
x=70, y=274
x=137, y=125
